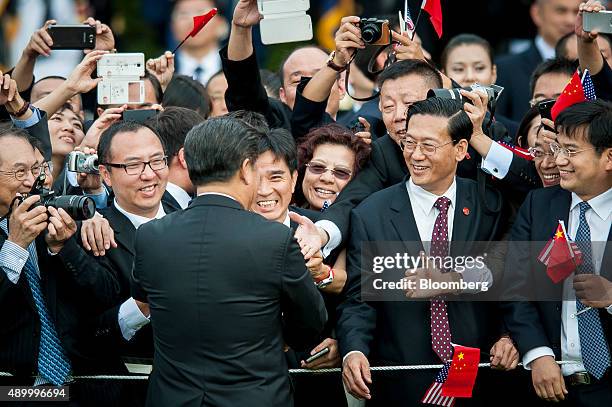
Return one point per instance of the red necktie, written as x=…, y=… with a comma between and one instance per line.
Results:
x=440, y=328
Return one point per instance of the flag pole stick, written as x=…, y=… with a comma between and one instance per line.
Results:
x=416, y=24
x=178, y=46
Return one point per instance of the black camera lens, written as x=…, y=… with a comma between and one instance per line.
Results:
x=77, y=206
x=371, y=33
x=445, y=94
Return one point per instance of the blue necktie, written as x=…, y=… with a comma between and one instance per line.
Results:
x=593, y=345
x=53, y=365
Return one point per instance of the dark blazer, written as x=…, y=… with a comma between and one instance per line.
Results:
x=534, y=324
x=603, y=82
x=398, y=332
x=388, y=167
x=169, y=201
x=216, y=306
x=245, y=91
x=514, y=74
x=71, y=308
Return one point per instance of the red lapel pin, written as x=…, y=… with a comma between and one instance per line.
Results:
x=466, y=211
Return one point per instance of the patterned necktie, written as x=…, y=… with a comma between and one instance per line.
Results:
x=53, y=365
x=440, y=328
x=197, y=73
x=593, y=345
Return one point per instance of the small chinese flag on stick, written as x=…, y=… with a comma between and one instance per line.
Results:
x=198, y=23
x=462, y=372
x=560, y=255
x=434, y=9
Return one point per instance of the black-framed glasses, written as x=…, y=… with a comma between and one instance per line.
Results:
x=22, y=173
x=340, y=173
x=426, y=148
x=556, y=149
x=138, y=168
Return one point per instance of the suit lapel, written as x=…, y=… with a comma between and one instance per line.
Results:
x=606, y=263
x=169, y=203
x=125, y=232
x=463, y=229
x=402, y=217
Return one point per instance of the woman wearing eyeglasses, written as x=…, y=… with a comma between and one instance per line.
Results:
x=328, y=159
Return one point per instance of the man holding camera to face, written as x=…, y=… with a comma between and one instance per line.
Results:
x=45, y=337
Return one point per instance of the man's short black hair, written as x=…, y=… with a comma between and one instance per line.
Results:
x=159, y=93
x=282, y=145
x=254, y=119
x=172, y=125
x=106, y=139
x=592, y=119
x=556, y=65
x=411, y=67
x=184, y=91
x=216, y=149
x=459, y=124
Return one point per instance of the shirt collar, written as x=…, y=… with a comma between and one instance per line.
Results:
x=601, y=204
x=545, y=50
x=425, y=200
x=138, y=220
x=210, y=64
x=178, y=193
x=218, y=193
x=287, y=221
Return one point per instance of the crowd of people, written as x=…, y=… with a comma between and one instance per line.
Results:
x=238, y=217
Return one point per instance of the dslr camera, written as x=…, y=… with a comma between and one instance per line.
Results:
x=81, y=162
x=375, y=31
x=77, y=206
x=493, y=92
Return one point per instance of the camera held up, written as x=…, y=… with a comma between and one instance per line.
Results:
x=493, y=93
x=81, y=162
x=375, y=31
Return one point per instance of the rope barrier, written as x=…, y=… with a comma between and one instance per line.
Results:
x=292, y=371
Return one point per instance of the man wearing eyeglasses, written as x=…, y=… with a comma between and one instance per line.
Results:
x=43, y=340
x=432, y=205
x=575, y=325
x=133, y=162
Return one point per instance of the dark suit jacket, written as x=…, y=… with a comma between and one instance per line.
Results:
x=169, y=201
x=245, y=91
x=534, y=324
x=398, y=332
x=514, y=74
x=216, y=306
x=388, y=167
x=71, y=308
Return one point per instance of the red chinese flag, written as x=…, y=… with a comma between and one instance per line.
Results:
x=434, y=9
x=462, y=373
x=200, y=21
x=562, y=259
x=572, y=94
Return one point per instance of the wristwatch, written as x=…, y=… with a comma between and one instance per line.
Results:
x=326, y=280
x=332, y=65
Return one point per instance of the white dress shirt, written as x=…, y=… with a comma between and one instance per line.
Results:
x=178, y=193
x=546, y=51
x=209, y=63
x=131, y=319
x=599, y=218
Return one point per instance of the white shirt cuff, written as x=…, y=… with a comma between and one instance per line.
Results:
x=347, y=355
x=497, y=162
x=131, y=319
x=535, y=353
x=12, y=260
x=335, y=237
x=477, y=277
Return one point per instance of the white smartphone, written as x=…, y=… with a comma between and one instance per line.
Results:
x=284, y=21
x=121, y=83
x=601, y=21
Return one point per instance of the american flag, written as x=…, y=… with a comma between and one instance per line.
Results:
x=587, y=85
x=408, y=17
x=434, y=393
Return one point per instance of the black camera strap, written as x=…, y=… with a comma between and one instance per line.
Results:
x=390, y=60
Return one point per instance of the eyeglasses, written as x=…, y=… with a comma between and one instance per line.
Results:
x=138, y=168
x=410, y=146
x=539, y=153
x=340, y=173
x=21, y=174
x=557, y=149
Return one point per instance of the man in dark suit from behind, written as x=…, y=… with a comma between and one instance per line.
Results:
x=554, y=19
x=216, y=310
x=557, y=325
x=432, y=203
